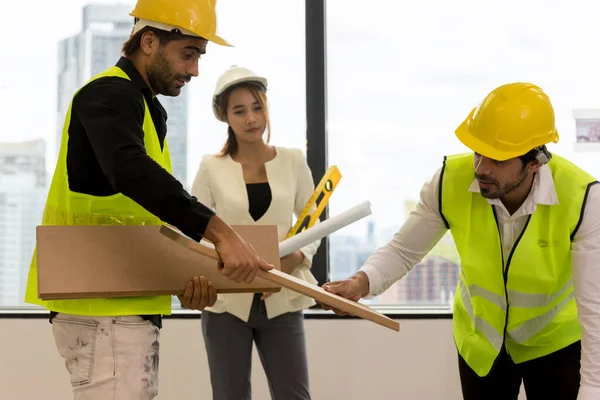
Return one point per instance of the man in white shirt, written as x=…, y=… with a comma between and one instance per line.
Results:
x=527, y=227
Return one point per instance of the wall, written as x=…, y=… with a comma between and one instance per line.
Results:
x=349, y=359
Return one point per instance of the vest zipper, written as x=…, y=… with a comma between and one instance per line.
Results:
x=505, y=276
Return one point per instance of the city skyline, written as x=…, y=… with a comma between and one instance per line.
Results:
x=23, y=186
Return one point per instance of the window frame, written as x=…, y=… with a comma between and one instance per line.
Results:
x=317, y=159
x=316, y=115
x=317, y=148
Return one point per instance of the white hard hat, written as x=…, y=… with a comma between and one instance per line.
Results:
x=234, y=76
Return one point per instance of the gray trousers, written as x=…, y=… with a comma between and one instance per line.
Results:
x=281, y=347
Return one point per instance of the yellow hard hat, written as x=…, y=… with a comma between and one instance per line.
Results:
x=191, y=17
x=512, y=120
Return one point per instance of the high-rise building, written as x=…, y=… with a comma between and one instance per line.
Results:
x=22, y=196
x=97, y=47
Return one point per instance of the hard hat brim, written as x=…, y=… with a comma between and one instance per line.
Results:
x=463, y=133
x=218, y=40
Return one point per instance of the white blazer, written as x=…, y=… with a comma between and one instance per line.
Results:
x=219, y=184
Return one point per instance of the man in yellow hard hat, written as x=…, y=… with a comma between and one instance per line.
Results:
x=527, y=227
x=114, y=169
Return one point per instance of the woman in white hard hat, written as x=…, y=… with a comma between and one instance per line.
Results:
x=250, y=182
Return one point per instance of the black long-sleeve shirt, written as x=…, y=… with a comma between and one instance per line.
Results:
x=106, y=153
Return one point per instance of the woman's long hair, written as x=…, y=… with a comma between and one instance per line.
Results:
x=231, y=145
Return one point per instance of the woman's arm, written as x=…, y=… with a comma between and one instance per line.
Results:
x=201, y=189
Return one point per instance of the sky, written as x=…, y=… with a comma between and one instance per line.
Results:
x=402, y=75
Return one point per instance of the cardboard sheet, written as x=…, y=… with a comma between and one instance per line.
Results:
x=117, y=261
x=295, y=284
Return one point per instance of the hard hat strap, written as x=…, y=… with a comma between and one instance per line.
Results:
x=543, y=156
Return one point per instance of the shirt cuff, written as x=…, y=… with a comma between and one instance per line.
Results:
x=306, y=262
x=374, y=280
x=194, y=223
x=588, y=392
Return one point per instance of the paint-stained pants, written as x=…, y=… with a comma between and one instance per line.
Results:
x=109, y=357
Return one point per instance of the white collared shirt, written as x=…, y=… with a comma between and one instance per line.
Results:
x=425, y=227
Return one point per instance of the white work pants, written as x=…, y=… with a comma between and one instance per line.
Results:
x=109, y=357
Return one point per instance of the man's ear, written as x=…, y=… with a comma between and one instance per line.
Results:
x=533, y=166
x=149, y=42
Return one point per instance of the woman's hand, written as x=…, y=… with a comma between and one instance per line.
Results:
x=291, y=261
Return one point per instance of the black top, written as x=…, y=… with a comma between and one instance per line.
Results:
x=106, y=153
x=259, y=198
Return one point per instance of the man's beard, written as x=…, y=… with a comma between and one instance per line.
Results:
x=161, y=77
x=500, y=191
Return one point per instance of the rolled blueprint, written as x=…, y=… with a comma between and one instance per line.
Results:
x=322, y=229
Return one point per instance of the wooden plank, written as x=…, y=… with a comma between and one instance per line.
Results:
x=116, y=261
x=295, y=284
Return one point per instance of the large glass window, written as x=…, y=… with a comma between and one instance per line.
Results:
x=401, y=77
x=58, y=51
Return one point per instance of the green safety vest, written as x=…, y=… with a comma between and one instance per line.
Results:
x=65, y=207
x=528, y=306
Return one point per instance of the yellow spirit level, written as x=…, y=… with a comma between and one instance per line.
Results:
x=320, y=197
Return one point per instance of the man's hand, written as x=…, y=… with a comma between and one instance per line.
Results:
x=239, y=262
x=199, y=294
x=354, y=289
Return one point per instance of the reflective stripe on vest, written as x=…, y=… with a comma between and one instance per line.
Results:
x=516, y=299
x=54, y=216
x=527, y=303
x=64, y=207
x=488, y=331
